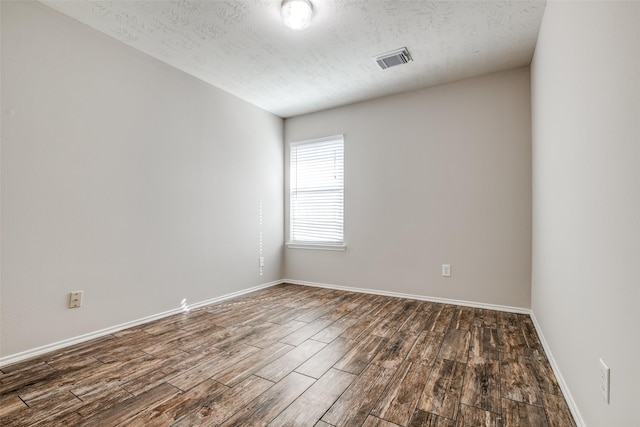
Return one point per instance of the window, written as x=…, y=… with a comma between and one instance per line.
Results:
x=317, y=193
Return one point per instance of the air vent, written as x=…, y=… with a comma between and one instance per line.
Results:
x=393, y=58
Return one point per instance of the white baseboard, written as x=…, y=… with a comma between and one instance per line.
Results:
x=13, y=358
x=234, y=294
x=577, y=417
x=487, y=306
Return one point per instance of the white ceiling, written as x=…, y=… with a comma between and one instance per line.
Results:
x=242, y=47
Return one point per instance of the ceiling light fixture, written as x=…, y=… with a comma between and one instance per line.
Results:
x=297, y=14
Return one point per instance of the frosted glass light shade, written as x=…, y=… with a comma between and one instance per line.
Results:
x=296, y=14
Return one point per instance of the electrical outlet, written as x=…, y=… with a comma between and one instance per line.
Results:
x=75, y=299
x=446, y=270
x=605, y=374
x=261, y=262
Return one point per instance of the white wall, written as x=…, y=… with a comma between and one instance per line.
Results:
x=124, y=178
x=586, y=200
x=441, y=175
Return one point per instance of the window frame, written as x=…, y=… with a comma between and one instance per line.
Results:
x=328, y=246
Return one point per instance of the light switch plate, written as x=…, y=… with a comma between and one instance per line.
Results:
x=605, y=378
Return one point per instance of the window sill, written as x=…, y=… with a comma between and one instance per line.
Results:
x=317, y=246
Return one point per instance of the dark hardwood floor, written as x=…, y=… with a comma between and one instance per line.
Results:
x=297, y=356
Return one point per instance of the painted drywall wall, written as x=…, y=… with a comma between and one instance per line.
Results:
x=125, y=178
x=441, y=175
x=586, y=201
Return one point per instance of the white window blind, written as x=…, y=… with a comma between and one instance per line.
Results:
x=317, y=191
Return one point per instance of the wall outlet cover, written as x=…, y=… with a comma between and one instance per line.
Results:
x=75, y=299
x=446, y=270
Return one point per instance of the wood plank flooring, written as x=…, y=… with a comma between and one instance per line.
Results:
x=297, y=356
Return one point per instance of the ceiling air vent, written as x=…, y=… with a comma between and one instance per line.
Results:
x=393, y=58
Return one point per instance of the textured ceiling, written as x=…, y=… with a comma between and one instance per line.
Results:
x=242, y=47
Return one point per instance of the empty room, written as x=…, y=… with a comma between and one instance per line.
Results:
x=320, y=213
